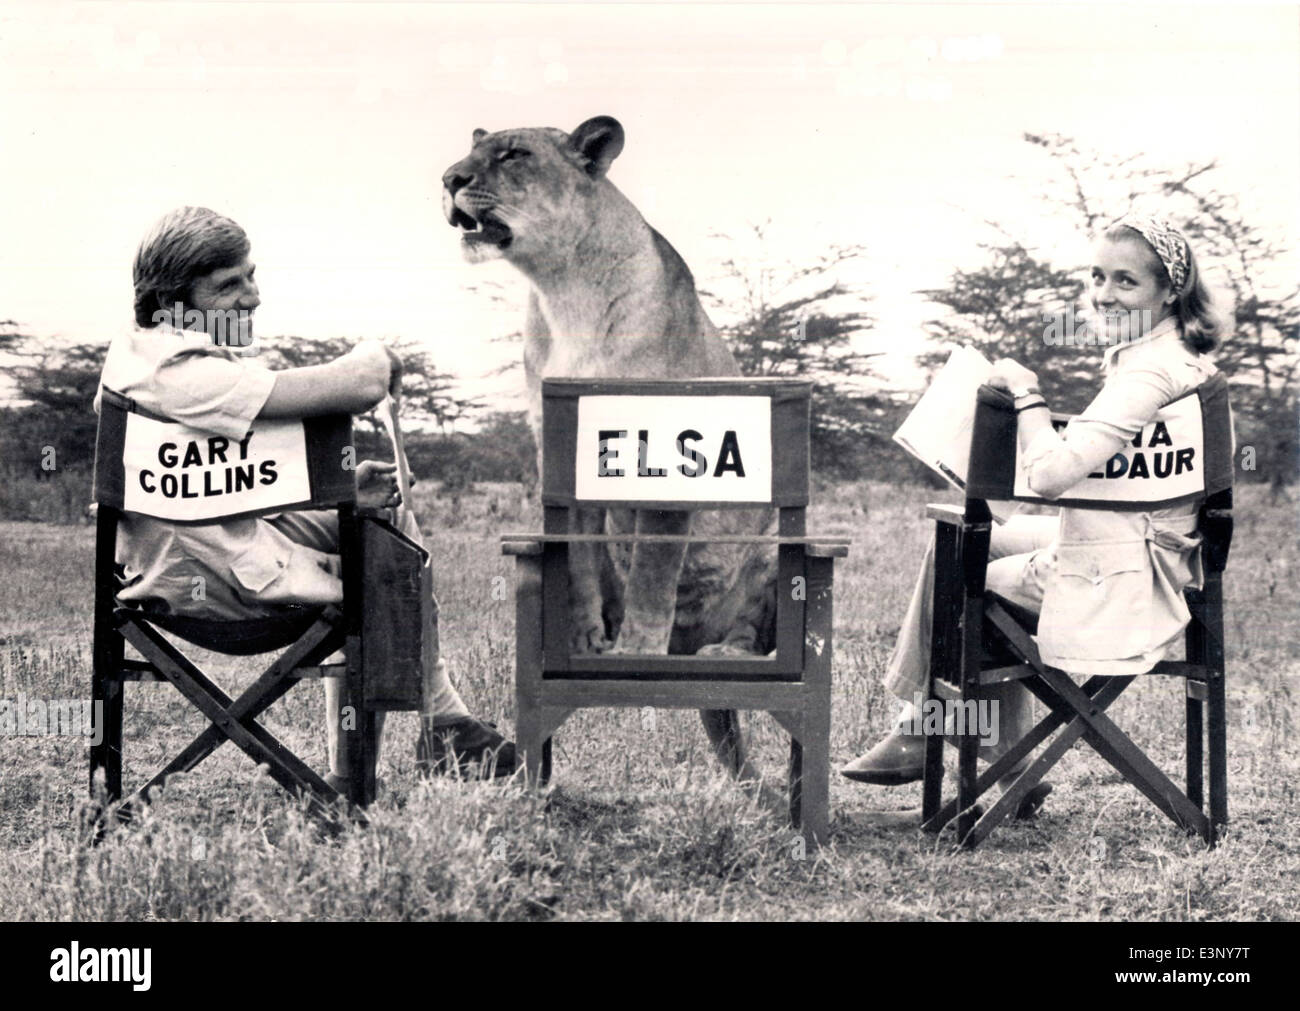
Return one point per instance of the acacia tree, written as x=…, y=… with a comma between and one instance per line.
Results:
x=428, y=395
x=995, y=305
x=1261, y=352
x=53, y=386
x=55, y=383
x=801, y=320
x=1001, y=309
x=9, y=335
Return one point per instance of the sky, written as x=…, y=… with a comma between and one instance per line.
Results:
x=324, y=130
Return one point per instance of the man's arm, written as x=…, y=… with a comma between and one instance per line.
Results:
x=351, y=384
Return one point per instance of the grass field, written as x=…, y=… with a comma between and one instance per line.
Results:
x=638, y=823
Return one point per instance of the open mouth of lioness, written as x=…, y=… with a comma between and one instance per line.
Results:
x=485, y=229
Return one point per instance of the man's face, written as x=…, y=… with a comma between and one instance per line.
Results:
x=227, y=297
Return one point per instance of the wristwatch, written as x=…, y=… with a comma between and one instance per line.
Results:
x=1019, y=392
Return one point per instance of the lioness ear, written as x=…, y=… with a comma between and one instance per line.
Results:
x=598, y=141
x=479, y=135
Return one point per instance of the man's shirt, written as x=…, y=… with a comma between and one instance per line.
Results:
x=226, y=570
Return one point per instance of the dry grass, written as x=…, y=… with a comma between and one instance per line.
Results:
x=638, y=824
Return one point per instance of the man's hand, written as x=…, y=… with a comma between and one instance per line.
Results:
x=395, y=372
x=377, y=485
x=378, y=355
x=1009, y=374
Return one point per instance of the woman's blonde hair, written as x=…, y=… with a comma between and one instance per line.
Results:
x=1194, y=308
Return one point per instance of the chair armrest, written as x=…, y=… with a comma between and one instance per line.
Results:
x=830, y=550
x=945, y=513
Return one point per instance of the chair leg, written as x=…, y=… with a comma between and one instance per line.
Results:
x=796, y=780
x=932, y=783
x=1217, y=704
x=107, y=691
x=967, y=787
x=945, y=657
x=814, y=785
x=202, y=746
x=360, y=744
x=968, y=745
x=1195, y=750
x=533, y=748
x=1197, y=645
x=532, y=742
x=974, y=555
x=1218, y=734
x=374, y=731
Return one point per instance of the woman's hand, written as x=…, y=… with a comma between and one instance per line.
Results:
x=1009, y=374
x=377, y=485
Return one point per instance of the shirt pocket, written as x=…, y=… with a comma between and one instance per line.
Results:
x=1098, y=604
x=1177, y=559
x=1167, y=535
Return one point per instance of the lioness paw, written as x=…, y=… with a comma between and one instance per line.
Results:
x=642, y=641
x=733, y=648
x=588, y=640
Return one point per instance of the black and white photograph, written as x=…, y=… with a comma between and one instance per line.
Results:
x=553, y=462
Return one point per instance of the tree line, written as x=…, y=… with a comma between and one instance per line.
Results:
x=785, y=319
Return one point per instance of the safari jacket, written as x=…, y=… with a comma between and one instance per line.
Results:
x=1114, y=602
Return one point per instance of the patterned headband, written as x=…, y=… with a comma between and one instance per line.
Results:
x=1167, y=241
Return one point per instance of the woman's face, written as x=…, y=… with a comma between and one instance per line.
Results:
x=1127, y=290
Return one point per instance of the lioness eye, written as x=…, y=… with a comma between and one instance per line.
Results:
x=512, y=153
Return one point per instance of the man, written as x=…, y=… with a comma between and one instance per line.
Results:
x=195, y=263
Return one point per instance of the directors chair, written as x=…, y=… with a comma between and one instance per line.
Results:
x=148, y=465
x=980, y=640
x=740, y=444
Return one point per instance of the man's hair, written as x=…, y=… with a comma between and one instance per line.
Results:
x=181, y=247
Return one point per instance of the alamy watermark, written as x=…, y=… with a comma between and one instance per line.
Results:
x=228, y=328
x=953, y=718
x=75, y=964
x=1066, y=329
x=26, y=717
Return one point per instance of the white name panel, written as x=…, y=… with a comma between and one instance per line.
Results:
x=1165, y=461
x=691, y=449
x=175, y=472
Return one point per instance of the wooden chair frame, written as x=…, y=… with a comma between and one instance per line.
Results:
x=974, y=633
x=306, y=636
x=794, y=685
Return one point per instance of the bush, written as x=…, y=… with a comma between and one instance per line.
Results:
x=58, y=497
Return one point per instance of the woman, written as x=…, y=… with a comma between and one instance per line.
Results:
x=1125, y=570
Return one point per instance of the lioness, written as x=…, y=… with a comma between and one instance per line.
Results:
x=612, y=299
